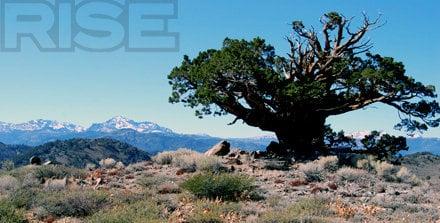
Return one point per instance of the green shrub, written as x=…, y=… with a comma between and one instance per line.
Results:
x=23, y=197
x=304, y=210
x=9, y=214
x=57, y=172
x=385, y=147
x=224, y=186
x=138, y=212
x=72, y=204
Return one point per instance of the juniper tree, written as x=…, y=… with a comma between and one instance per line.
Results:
x=326, y=73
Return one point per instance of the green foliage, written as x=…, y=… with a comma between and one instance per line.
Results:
x=9, y=214
x=337, y=140
x=223, y=186
x=71, y=203
x=138, y=212
x=385, y=147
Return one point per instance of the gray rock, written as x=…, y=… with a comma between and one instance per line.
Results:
x=48, y=163
x=221, y=149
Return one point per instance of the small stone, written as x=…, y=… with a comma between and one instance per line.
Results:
x=332, y=186
x=47, y=163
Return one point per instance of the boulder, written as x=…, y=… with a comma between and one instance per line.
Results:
x=35, y=160
x=274, y=148
x=258, y=154
x=221, y=149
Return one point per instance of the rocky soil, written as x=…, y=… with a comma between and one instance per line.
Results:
x=353, y=194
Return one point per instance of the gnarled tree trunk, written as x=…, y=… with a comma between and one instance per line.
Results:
x=302, y=137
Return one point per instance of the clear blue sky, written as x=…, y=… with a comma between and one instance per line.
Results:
x=84, y=87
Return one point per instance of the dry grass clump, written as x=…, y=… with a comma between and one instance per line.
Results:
x=168, y=188
x=107, y=163
x=190, y=161
x=388, y=171
x=152, y=181
x=315, y=209
x=55, y=184
x=406, y=177
x=392, y=173
x=317, y=169
x=329, y=163
x=210, y=164
x=352, y=175
x=8, y=184
x=167, y=157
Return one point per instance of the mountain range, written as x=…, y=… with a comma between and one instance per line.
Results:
x=147, y=136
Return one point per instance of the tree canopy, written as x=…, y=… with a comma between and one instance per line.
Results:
x=325, y=74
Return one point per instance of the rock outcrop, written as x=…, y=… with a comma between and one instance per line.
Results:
x=221, y=149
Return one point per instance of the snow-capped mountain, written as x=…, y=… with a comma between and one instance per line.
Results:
x=40, y=124
x=150, y=136
x=362, y=134
x=120, y=123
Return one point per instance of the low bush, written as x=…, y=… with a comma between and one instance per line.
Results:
x=312, y=171
x=154, y=181
x=405, y=176
x=367, y=164
x=71, y=203
x=168, y=188
x=348, y=174
x=304, y=210
x=223, y=186
x=386, y=171
x=328, y=163
x=57, y=172
x=138, y=212
x=8, y=184
x=23, y=197
x=317, y=169
x=9, y=214
x=211, y=164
